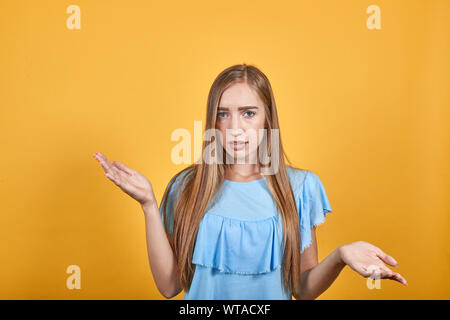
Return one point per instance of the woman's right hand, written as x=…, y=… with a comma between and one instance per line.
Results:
x=130, y=181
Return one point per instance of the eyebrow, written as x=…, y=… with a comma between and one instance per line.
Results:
x=239, y=108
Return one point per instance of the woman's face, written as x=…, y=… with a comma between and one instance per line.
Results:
x=240, y=115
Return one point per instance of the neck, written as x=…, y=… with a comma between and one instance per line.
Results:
x=242, y=171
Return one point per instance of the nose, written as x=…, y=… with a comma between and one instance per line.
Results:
x=236, y=127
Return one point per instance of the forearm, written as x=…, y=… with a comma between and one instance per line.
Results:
x=160, y=254
x=318, y=279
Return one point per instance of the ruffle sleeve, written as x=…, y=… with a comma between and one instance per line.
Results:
x=172, y=197
x=312, y=203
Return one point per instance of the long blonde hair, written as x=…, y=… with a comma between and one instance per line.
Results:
x=204, y=180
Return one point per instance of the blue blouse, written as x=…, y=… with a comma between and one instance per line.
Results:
x=238, y=249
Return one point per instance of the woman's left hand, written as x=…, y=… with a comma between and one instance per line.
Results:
x=368, y=260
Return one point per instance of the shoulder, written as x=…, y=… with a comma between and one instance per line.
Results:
x=297, y=178
x=182, y=175
x=178, y=181
x=303, y=180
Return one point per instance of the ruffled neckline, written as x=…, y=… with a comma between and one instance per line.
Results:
x=239, y=246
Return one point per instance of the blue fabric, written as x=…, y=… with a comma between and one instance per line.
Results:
x=238, y=249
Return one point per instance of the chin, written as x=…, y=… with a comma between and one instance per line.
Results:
x=241, y=155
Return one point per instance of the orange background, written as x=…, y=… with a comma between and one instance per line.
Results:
x=366, y=110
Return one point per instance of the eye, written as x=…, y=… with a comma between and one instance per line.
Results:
x=251, y=112
x=219, y=114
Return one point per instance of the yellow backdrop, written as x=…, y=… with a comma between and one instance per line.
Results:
x=366, y=109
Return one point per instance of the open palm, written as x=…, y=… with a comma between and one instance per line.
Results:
x=130, y=181
x=368, y=260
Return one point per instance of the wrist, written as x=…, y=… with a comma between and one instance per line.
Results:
x=149, y=207
x=338, y=257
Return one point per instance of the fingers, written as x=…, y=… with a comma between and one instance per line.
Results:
x=378, y=272
x=382, y=272
x=123, y=167
x=398, y=277
x=116, y=175
x=387, y=258
x=111, y=171
x=106, y=165
x=392, y=262
x=112, y=178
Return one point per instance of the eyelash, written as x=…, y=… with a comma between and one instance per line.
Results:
x=253, y=113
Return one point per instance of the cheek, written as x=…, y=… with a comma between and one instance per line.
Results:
x=259, y=129
x=222, y=137
x=256, y=136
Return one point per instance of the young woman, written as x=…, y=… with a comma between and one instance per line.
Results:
x=231, y=228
